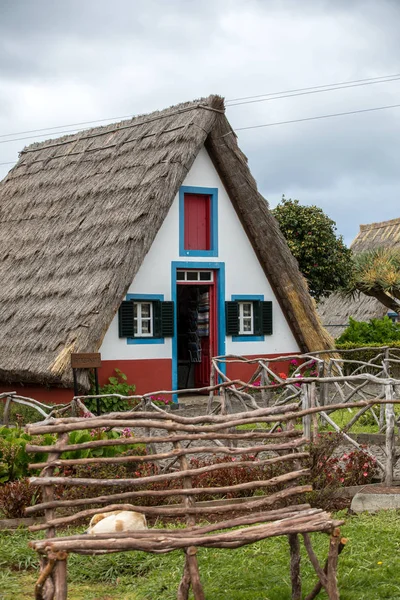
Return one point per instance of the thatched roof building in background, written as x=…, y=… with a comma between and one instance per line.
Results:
x=79, y=213
x=336, y=310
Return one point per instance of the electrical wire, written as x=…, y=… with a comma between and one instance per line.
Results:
x=231, y=102
x=319, y=91
x=341, y=114
x=315, y=87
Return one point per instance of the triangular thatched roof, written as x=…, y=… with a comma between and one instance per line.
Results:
x=336, y=310
x=79, y=213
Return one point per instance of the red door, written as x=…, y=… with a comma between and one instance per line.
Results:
x=208, y=343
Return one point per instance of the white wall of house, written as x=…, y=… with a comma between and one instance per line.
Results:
x=243, y=275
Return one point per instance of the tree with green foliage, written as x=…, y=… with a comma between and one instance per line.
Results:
x=376, y=273
x=323, y=258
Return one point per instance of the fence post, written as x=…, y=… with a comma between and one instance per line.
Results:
x=264, y=393
x=305, y=403
x=314, y=416
x=390, y=438
x=211, y=393
x=386, y=372
x=7, y=410
x=323, y=387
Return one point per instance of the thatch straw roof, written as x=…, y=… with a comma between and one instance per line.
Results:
x=336, y=310
x=79, y=213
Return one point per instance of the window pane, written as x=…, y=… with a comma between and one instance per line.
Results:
x=180, y=275
x=135, y=330
x=247, y=309
x=192, y=275
x=135, y=309
x=205, y=275
x=247, y=325
x=145, y=310
x=146, y=328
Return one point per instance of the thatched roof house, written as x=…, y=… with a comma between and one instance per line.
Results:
x=336, y=310
x=78, y=215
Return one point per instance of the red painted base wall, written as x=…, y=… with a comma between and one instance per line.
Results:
x=43, y=394
x=147, y=375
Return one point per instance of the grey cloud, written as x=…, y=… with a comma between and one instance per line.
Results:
x=63, y=62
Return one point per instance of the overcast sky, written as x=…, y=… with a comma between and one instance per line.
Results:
x=68, y=61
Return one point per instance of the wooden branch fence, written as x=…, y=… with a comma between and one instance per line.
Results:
x=277, y=509
x=324, y=382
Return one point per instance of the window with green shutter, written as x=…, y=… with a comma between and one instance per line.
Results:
x=146, y=319
x=248, y=318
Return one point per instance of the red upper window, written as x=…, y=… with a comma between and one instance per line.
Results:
x=197, y=222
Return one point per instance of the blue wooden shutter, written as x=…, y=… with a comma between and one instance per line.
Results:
x=125, y=319
x=232, y=318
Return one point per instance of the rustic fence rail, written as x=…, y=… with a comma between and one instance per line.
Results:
x=319, y=383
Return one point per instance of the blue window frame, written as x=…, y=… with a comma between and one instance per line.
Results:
x=144, y=298
x=245, y=299
x=213, y=193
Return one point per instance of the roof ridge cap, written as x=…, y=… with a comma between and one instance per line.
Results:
x=380, y=224
x=141, y=120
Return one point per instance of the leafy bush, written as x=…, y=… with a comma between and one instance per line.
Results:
x=86, y=435
x=14, y=459
x=331, y=470
x=117, y=384
x=374, y=331
x=15, y=496
x=366, y=352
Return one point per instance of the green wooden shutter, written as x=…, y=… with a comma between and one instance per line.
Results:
x=157, y=318
x=167, y=319
x=125, y=319
x=232, y=318
x=258, y=317
x=267, y=317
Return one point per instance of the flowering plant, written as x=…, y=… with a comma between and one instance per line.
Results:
x=161, y=401
x=308, y=370
x=339, y=470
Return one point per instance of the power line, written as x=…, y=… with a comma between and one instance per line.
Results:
x=11, y=162
x=351, y=112
x=272, y=95
x=31, y=137
x=70, y=125
x=315, y=87
x=302, y=120
x=317, y=91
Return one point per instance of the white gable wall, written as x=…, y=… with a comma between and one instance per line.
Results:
x=243, y=275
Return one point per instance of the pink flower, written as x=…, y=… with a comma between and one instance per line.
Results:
x=365, y=474
x=294, y=362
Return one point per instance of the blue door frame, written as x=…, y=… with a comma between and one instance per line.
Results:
x=215, y=266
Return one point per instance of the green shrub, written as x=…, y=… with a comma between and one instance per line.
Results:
x=374, y=331
x=117, y=384
x=367, y=352
x=14, y=459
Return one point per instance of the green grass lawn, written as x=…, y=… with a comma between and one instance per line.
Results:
x=369, y=568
